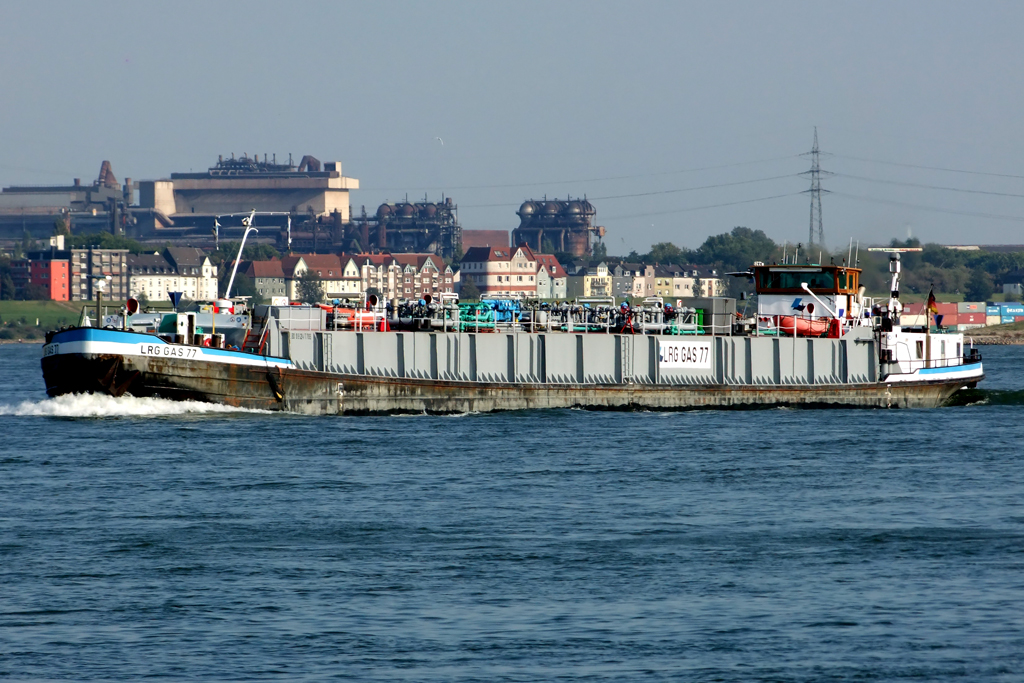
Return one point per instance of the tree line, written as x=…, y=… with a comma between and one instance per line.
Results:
x=976, y=275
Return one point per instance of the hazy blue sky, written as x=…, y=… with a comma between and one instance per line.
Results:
x=601, y=98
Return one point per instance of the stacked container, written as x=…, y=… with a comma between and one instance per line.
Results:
x=946, y=316
x=1011, y=313
x=992, y=315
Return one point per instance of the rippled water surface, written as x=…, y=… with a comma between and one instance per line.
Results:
x=155, y=539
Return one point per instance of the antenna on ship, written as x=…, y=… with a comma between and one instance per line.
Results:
x=816, y=173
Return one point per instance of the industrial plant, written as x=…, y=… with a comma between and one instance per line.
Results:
x=304, y=207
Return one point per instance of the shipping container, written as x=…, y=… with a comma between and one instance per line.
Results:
x=1011, y=309
x=1016, y=319
x=964, y=328
x=992, y=310
x=1006, y=320
x=913, y=309
x=993, y=320
x=970, y=306
x=946, y=320
x=971, y=319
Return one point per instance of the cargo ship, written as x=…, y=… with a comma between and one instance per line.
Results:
x=815, y=340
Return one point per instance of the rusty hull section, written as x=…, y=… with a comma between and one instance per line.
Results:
x=317, y=393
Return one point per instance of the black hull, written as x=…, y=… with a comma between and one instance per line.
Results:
x=310, y=392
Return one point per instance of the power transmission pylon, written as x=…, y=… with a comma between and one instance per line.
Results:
x=816, y=174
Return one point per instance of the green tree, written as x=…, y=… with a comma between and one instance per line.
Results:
x=736, y=250
x=469, y=291
x=105, y=240
x=7, y=287
x=666, y=252
x=600, y=251
x=61, y=226
x=28, y=243
x=979, y=286
x=311, y=288
x=547, y=246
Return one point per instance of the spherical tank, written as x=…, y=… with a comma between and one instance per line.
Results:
x=406, y=210
x=552, y=208
x=527, y=209
x=429, y=210
x=383, y=211
x=573, y=208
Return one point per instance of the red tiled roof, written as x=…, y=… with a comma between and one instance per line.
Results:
x=323, y=262
x=288, y=264
x=265, y=269
x=526, y=250
x=551, y=264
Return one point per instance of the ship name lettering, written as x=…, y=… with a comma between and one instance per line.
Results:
x=168, y=351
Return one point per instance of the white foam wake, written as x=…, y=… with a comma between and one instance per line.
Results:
x=97, y=405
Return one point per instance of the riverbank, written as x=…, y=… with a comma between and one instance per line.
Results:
x=998, y=335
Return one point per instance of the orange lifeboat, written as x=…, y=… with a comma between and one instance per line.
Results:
x=807, y=327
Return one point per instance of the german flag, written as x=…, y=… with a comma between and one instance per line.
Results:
x=931, y=306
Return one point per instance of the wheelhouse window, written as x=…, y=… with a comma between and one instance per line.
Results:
x=793, y=280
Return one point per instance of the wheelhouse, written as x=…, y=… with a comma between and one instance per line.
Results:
x=829, y=279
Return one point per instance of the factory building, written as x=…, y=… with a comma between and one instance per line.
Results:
x=406, y=227
x=239, y=185
x=553, y=225
x=33, y=209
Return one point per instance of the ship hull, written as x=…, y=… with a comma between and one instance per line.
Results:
x=280, y=388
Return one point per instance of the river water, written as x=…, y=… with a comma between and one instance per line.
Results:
x=155, y=539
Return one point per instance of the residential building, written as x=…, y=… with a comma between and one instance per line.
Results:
x=500, y=270
x=405, y=276
x=673, y=281
x=198, y=275
x=551, y=277
x=43, y=274
x=690, y=280
x=90, y=265
x=177, y=269
x=1013, y=284
x=585, y=280
x=622, y=279
x=340, y=280
x=643, y=279
x=267, y=277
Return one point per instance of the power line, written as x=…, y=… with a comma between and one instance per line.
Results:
x=935, y=209
x=707, y=206
x=586, y=180
x=815, y=192
x=927, y=187
x=656, y=192
x=930, y=168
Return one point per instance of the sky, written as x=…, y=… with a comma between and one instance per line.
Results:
x=678, y=120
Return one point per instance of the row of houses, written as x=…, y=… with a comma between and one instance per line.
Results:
x=73, y=274
x=63, y=274
x=521, y=271
x=391, y=276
